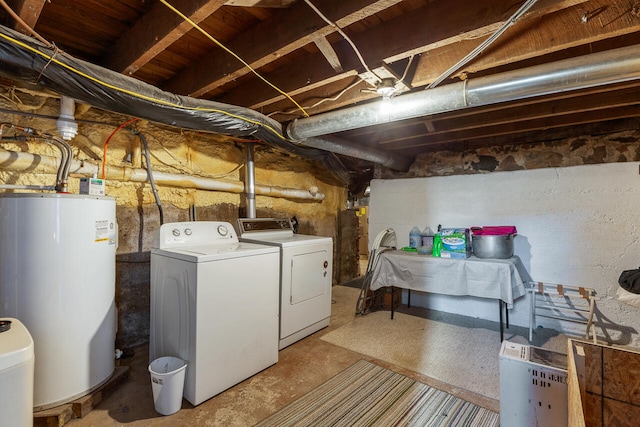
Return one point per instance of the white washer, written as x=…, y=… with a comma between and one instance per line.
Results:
x=305, y=275
x=214, y=304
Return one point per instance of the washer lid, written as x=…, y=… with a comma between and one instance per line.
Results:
x=16, y=344
x=274, y=231
x=285, y=241
x=215, y=252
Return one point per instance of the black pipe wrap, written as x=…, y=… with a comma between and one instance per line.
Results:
x=27, y=59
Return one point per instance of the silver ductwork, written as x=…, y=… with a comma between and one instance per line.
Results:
x=596, y=69
x=346, y=148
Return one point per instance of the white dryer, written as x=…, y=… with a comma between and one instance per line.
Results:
x=214, y=304
x=305, y=275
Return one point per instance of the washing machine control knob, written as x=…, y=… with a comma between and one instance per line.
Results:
x=222, y=230
x=187, y=231
x=176, y=232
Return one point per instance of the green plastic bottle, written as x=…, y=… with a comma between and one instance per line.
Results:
x=437, y=245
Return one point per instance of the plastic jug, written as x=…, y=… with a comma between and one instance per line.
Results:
x=415, y=237
x=427, y=237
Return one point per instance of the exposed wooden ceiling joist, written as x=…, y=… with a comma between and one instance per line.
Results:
x=282, y=33
x=155, y=31
x=28, y=11
x=288, y=44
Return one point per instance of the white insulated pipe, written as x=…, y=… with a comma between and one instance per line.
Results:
x=25, y=162
x=250, y=180
x=597, y=69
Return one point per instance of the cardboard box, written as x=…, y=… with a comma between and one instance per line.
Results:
x=381, y=299
x=456, y=243
x=386, y=300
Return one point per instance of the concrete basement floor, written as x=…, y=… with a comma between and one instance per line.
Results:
x=301, y=367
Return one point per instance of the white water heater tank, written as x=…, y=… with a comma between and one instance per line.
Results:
x=57, y=276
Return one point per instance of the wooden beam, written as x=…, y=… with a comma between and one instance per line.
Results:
x=29, y=11
x=260, y=3
x=310, y=72
x=390, y=41
x=556, y=121
x=327, y=51
x=530, y=137
x=285, y=31
x=155, y=31
x=521, y=47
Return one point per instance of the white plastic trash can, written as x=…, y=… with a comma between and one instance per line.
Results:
x=16, y=374
x=167, y=383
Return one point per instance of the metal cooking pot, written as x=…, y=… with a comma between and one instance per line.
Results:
x=492, y=246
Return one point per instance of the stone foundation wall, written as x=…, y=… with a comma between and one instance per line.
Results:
x=192, y=154
x=585, y=150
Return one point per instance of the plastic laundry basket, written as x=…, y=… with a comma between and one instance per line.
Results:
x=16, y=374
x=167, y=383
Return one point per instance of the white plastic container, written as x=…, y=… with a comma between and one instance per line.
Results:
x=167, y=384
x=16, y=374
x=57, y=276
x=415, y=237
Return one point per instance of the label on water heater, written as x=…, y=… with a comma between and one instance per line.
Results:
x=102, y=231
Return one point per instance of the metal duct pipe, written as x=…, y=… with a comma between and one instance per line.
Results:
x=250, y=181
x=25, y=162
x=596, y=69
x=340, y=146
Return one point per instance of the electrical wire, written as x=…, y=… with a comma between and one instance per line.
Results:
x=229, y=51
x=406, y=70
x=226, y=173
x=138, y=95
x=343, y=91
x=343, y=34
x=104, y=148
x=334, y=98
x=478, y=50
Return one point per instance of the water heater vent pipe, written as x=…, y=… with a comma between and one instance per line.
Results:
x=66, y=122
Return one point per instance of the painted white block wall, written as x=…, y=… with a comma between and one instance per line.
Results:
x=576, y=226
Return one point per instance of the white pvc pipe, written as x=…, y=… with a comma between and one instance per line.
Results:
x=66, y=123
x=250, y=181
x=23, y=162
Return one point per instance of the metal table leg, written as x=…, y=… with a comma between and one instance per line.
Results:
x=501, y=325
x=392, y=300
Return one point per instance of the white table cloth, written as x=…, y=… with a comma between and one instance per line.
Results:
x=502, y=279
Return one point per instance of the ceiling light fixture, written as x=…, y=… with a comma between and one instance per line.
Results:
x=386, y=88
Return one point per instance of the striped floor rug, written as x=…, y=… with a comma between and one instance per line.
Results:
x=368, y=395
